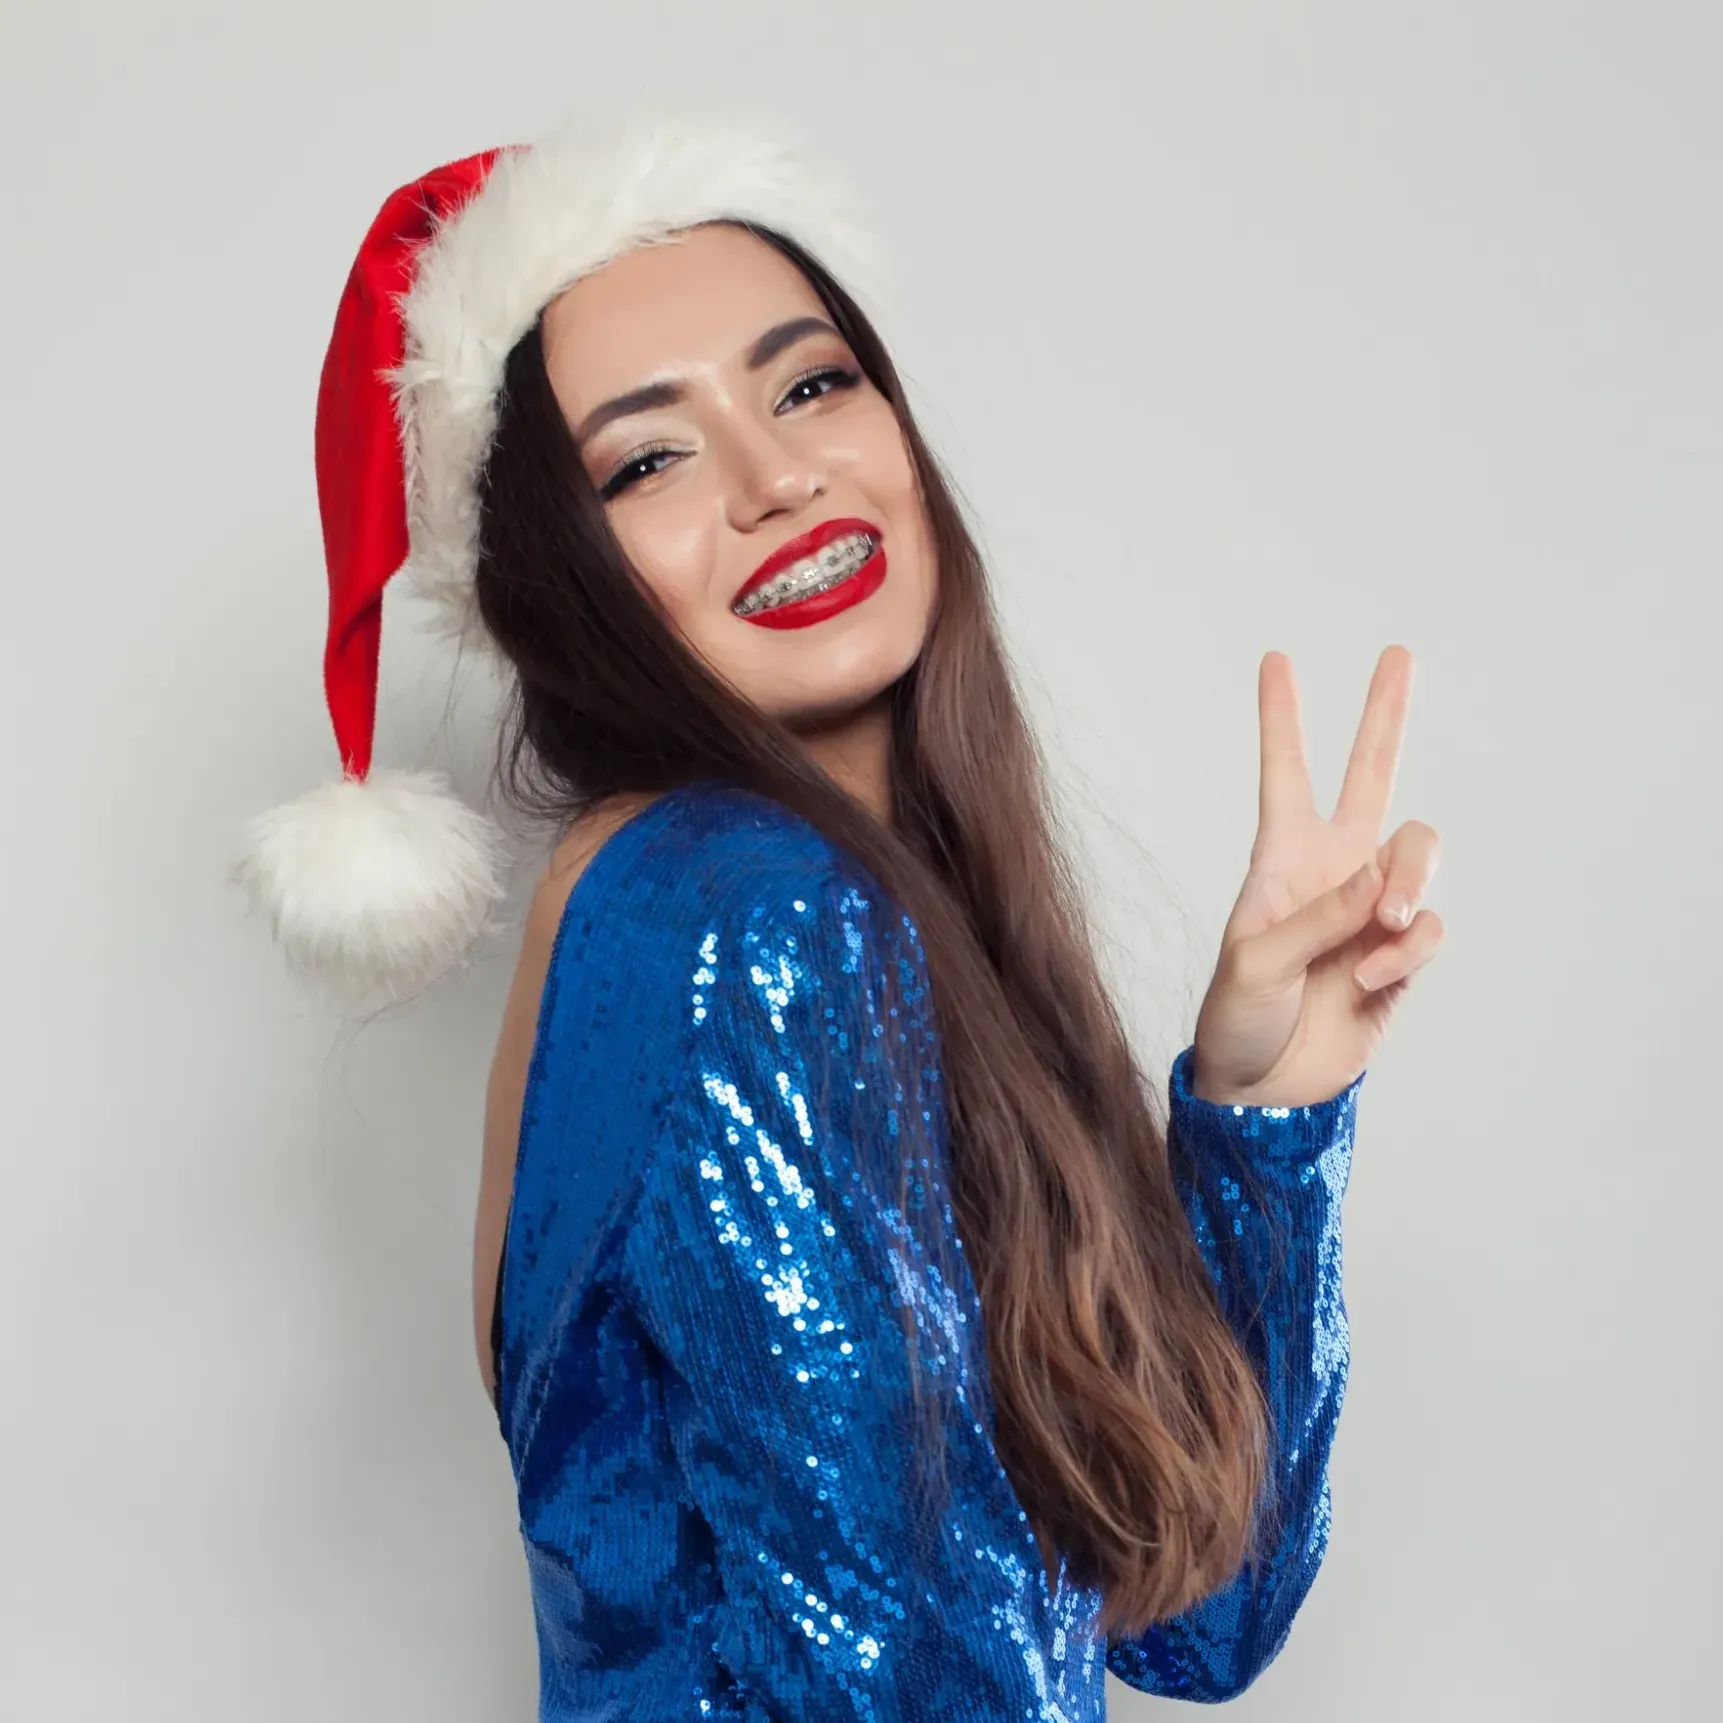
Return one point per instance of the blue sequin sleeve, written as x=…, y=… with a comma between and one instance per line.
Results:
x=769, y=1264
x=1262, y=1187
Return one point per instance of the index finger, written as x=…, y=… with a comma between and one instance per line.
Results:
x=1284, y=794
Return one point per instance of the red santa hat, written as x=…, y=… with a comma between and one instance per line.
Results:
x=379, y=882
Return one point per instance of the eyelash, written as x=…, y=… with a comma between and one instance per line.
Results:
x=624, y=475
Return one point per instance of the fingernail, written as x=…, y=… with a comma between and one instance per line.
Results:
x=1397, y=910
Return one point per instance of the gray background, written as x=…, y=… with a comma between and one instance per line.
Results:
x=1311, y=327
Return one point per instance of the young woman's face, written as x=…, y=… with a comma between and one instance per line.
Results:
x=721, y=418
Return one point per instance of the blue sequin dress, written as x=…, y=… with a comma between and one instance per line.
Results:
x=702, y=1374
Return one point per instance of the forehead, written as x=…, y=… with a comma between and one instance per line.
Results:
x=695, y=301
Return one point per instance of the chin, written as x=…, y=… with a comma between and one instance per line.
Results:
x=842, y=686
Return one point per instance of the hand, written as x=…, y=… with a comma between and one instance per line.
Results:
x=1314, y=957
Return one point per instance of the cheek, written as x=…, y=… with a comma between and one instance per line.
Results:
x=877, y=461
x=672, y=545
x=914, y=530
x=876, y=457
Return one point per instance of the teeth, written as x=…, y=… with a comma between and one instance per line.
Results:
x=834, y=562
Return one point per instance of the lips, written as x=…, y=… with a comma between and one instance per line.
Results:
x=816, y=539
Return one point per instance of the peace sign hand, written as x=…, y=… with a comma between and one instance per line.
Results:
x=1314, y=956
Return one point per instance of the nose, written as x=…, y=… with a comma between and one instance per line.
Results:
x=770, y=474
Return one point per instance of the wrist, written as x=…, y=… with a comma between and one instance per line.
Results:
x=1216, y=1095
x=1193, y=1084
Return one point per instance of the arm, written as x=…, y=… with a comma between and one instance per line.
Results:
x=1263, y=1189
x=766, y=1258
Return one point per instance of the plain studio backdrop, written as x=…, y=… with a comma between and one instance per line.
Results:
x=1307, y=327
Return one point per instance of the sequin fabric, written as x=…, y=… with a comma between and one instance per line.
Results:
x=703, y=1375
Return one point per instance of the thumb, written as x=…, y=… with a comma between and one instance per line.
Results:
x=1287, y=949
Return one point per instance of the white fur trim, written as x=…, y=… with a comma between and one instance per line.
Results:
x=375, y=888
x=546, y=215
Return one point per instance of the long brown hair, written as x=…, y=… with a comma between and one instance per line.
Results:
x=1128, y=1418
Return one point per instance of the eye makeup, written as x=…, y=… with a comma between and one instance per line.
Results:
x=627, y=472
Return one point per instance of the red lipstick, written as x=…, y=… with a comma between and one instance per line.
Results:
x=800, y=612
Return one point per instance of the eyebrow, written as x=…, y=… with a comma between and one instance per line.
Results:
x=763, y=352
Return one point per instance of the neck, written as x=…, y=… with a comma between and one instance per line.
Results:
x=856, y=753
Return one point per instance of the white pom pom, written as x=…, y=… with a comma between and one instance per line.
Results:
x=373, y=888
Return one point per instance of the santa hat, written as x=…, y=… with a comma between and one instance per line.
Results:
x=381, y=881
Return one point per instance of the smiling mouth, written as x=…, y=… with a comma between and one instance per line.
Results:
x=829, y=566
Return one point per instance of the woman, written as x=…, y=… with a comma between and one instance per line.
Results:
x=864, y=1344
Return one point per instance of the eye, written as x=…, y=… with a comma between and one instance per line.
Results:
x=632, y=470
x=837, y=376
